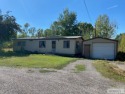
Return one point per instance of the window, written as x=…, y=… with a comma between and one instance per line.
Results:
x=21, y=43
x=42, y=44
x=53, y=44
x=66, y=44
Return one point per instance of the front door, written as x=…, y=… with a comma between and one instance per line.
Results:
x=53, y=46
x=87, y=50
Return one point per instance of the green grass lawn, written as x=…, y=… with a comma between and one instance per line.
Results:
x=109, y=70
x=11, y=59
x=79, y=68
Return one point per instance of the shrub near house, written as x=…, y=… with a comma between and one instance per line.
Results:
x=121, y=47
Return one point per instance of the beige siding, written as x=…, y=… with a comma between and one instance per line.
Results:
x=62, y=50
x=99, y=40
x=15, y=45
x=33, y=45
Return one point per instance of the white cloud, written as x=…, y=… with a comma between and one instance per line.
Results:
x=115, y=6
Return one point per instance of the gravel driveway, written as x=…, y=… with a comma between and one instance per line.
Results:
x=65, y=81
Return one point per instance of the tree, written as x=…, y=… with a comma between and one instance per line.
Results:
x=56, y=29
x=86, y=30
x=105, y=28
x=121, y=41
x=8, y=27
x=48, y=32
x=119, y=36
x=40, y=33
x=32, y=31
x=67, y=23
x=24, y=31
x=26, y=27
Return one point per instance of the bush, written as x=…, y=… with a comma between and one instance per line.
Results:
x=122, y=43
x=120, y=56
x=7, y=44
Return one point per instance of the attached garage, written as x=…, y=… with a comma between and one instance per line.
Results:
x=103, y=50
x=100, y=48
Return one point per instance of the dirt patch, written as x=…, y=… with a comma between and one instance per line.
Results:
x=121, y=65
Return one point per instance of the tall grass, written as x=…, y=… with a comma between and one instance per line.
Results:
x=109, y=70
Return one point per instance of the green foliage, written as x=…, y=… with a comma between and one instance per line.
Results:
x=79, y=67
x=86, y=30
x=48, y=32
x=40, y=33
x=121, y=47
x=109, y=70
x=8, y=44
x=28, y=31
x=24, y=32
x=118, y=37
x=122, y=43
x=105, y=28
x=32, y=31
x=56, y=29
x=8, y=27
x=68, y=23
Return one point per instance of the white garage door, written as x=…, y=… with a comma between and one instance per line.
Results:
x=103, y=50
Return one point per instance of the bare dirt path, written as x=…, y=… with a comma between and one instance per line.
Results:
x=65, y=81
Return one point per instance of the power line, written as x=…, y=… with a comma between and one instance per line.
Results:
x=87, y=10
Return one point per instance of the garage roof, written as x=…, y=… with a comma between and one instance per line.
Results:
x=101, y=38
